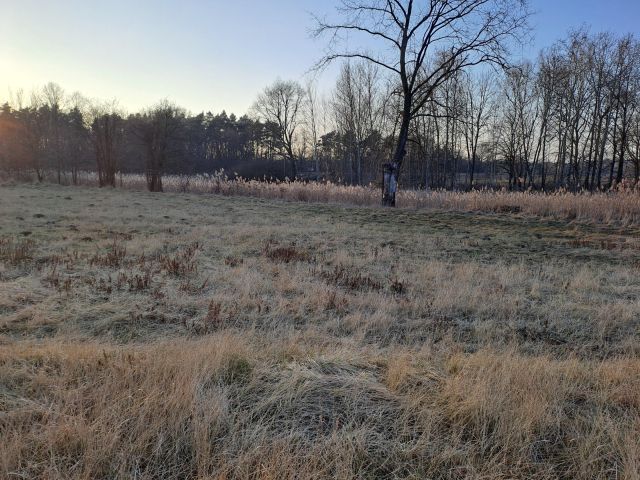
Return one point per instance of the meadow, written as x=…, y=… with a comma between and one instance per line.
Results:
x=618, y=205
x=217, y=333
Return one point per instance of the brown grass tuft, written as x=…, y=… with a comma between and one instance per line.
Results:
x=285, y=254
x=182, y=263
x=112, y=258
x=348, y=277
x=16, y=252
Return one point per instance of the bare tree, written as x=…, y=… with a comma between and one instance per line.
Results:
x=519, y=116
x=634, y=146
x=282, y=104
x=599, y=57
x=546, y=86
x=357, y=109
x=478, y=95
x=312, y=119
x=36, y=127
x=53, y=97
x=158, y=129
x=423, y=43
x=626, y=98
x=106, y=134
x=16, y=98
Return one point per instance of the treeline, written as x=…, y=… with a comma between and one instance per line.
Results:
x=568, y=120
x=63, y=135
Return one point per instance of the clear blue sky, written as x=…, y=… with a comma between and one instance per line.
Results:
x=205, y=54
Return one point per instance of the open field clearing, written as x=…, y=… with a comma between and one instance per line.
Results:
x=184, y=335
x=619, y=206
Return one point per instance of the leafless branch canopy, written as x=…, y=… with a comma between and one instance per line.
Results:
x=424, y=42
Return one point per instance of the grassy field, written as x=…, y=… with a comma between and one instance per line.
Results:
x=196, y=336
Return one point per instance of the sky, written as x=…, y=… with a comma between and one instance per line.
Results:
x=208, y=55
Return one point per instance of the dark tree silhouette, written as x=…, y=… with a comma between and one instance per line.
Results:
x=106, y=134
x=159, y=129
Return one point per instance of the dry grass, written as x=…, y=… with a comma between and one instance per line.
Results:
x=14, y=252
x=221, y=408
x=620, y=206
x=191, y=336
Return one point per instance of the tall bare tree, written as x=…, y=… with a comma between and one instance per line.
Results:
x=282, y=104
x=634, y=146
x=53, y=97
x=626, y=97
x=422, y=43
x=478, y=100
x=312, y=121
x=357, y=109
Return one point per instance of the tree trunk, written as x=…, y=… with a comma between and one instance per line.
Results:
x=623, y=147
x=392, y=170
x=473, y=169
x=154, y=182
x=403, y=137
x=389, y=184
